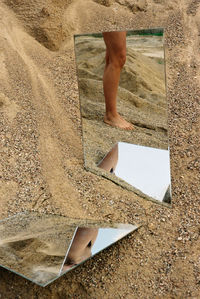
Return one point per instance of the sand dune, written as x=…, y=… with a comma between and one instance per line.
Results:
x=32, y=92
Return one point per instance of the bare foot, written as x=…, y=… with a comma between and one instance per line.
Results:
x=118, y=121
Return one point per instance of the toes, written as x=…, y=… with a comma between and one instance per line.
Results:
x=130, y=127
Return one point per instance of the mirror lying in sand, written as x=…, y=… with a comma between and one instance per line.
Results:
x=42, y=247
x=146, y=169
x=141, y=101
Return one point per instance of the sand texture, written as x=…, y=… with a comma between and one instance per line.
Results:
x=42, y=163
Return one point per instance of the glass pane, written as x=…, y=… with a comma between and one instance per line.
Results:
x=43, y=247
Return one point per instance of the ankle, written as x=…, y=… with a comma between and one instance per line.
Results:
x=111, y=114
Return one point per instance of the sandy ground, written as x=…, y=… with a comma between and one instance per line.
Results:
x=42, y=158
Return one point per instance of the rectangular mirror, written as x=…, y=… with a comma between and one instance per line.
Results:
x=139, y=100
x=43, y=247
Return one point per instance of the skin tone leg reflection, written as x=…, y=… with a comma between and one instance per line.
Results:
x=109, y=163
x=115, y=60
x=81, y=247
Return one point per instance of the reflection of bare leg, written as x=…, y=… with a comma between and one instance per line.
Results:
x=81, y=246
x=115, y=59
x=109, y=163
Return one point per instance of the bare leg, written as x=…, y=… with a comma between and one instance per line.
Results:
x=115, y=60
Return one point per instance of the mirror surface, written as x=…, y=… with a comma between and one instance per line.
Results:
x=141, y=100
x=146, y=169
x=43, y=247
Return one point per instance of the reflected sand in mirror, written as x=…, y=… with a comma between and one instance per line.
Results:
x=42, y=247
x=145, y=168
x=141, y=100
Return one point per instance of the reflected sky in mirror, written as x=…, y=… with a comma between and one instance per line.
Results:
x=145, y=168
x=43, y=247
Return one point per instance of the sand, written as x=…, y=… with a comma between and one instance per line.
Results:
x=42, y=158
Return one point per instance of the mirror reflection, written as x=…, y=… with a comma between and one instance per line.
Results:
x=81, y=248
x=137, y=96
x=146, y=169
x=43, y=247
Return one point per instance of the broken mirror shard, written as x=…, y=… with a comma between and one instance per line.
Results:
x=42, y=247
x=141, y=100
x=147, y=169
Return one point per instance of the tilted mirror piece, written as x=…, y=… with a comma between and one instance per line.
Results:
x=141, y=100
x=146, y=169
x=43, y=247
